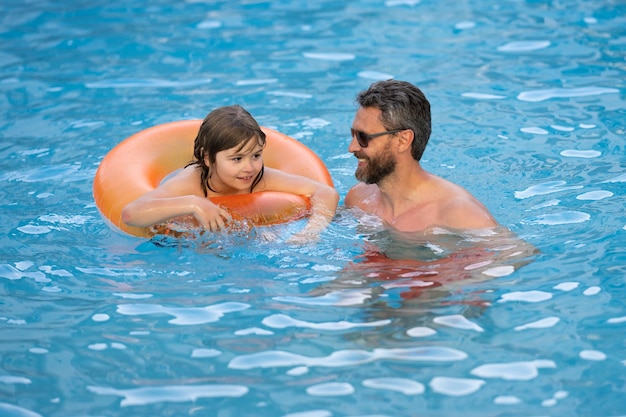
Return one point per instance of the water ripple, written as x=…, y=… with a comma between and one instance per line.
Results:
x=334, y=298
x=523, y=46
x=205, y=353
x=595, y=195
x=534, y=130
x=8, y=379
x=566, y=286
x=12, y=273
x=541, y=95
x=619, y=178
x=330, y=389
x=281, y=321
x=575, y=153
x=513, y=371
x=564, y=217
x=15, y=411
x=374, y=75
x=483, y=96
x=539, y=324
x=403, y=385
x=329, y=56
x=312, y=413
x=277, y=358
x=616, y=320
x=420, y=331
x=545, y=188
x=455, y=386
x=507, y=400
x=147, y=83
x=458, y=322
x=592, y=355
x=184, y=315
x=528, y=296
x=170, y=393
x=44, y=173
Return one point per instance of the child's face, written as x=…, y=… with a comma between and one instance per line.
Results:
x=235, y=169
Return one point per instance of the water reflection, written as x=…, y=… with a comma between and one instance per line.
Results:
x=423, y=270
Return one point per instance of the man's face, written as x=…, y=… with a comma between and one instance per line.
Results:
x=373, y=169
x=376, y=161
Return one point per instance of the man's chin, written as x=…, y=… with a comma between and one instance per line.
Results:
x=364, y=178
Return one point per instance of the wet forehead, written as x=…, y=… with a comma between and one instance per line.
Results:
x=252, y=146
x=367, y=119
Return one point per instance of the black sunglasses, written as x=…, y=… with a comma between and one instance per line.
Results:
x=363, y=138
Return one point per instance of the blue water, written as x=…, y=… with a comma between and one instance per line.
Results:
x=528, y=101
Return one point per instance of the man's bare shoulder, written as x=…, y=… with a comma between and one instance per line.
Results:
x=466, y=212
x=361, y=195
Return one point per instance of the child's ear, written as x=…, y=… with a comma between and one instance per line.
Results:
x=205, y=157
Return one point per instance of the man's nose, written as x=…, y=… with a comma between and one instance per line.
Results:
x=354, y=145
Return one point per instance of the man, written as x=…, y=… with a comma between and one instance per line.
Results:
x=390, y=131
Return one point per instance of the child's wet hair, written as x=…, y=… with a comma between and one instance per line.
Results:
x=225, y=128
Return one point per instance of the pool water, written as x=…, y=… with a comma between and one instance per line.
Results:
x=528, y=102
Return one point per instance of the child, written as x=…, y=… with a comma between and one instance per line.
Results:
x=228, y=159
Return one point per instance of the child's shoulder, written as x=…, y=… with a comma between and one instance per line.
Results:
x=187, y=178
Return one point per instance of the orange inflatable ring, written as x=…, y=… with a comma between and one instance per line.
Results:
x=139, y=164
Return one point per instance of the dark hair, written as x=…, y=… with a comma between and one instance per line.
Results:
x=403, y=106
x=224, y=128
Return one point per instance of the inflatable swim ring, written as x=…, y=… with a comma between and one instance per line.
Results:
x=139, y=163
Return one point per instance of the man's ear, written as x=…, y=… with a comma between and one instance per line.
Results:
x=405, y=140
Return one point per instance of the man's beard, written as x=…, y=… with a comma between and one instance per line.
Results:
x=377, y=168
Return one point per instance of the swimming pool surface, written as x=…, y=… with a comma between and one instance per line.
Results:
x=528, y=102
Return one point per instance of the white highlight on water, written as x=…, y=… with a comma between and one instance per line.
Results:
x=595, y=195
x=539, y=324
x=455, y=387
x=575, y=153
x=330, y=389
x=282, y=321
x=403, y=385
x=524, y=46
x=340, y=358
x=458, y=322
x=170, y=393
x=532, y=296
x=592, y=355
x=513, y=371
x=541, y=95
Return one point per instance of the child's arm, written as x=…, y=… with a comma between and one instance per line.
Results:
x=324, y=200
x=179, y=196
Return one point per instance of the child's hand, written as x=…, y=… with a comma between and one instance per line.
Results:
x=303, y=237
x=211, y=216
